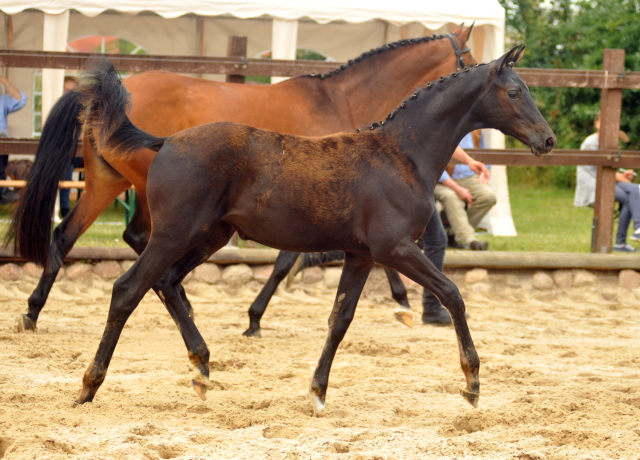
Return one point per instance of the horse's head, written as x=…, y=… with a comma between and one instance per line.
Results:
x=450, y=54
x=512, y=109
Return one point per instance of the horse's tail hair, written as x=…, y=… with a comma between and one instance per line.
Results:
x=30, y=228
x=106, y=103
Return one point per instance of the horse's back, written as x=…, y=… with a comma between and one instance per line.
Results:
x=164, y=103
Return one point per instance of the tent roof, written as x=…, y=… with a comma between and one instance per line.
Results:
x=431, y=13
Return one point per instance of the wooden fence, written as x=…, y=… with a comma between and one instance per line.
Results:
x=611, y=80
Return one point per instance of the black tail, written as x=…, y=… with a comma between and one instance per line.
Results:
x=30, y=229
x=106, y=102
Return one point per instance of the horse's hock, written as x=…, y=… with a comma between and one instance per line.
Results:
x=527, y=283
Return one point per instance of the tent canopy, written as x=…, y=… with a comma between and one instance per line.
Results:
x=431, y=13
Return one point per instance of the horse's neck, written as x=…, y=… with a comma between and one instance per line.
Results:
x=429, y=128
x=373, y=87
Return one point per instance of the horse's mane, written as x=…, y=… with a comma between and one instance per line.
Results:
x=373, y=52
x=440, y=85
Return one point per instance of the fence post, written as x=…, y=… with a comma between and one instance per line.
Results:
x=610, y=106
x=236, y=47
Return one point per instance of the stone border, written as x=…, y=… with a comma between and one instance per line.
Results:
x=235, y=275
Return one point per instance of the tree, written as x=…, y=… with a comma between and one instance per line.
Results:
x=573, y=35
x=568, y=34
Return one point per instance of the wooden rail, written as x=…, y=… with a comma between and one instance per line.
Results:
x=61, y=184
x=242, y=66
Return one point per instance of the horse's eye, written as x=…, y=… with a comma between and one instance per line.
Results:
x=513, y=94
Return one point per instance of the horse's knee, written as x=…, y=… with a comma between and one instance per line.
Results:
x=451, y=297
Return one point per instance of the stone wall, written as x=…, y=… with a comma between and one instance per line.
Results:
x=539, y=284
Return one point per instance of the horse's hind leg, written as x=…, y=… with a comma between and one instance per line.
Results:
x=88, y=208
x=136, y=235
x=407, y=258
x=282, y=266
x=403, y=312
x=160, y=254
x=354, y=275
x=169, y=291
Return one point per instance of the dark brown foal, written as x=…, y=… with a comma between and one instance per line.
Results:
x=367, y=192
x=365, y=89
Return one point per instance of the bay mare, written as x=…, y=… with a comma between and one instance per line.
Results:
x=367, y=192
x=365, y=89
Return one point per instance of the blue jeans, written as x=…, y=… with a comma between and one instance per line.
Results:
x=629, y=197
x=435, y=244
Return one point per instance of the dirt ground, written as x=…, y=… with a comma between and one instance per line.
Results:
x=560, y=379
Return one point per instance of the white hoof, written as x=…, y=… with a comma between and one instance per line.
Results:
x=404, y=315
x=317, y=403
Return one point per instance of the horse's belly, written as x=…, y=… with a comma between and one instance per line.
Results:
x=287, y=231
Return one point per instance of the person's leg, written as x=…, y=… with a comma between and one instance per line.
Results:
x=625, y=215
x=456, y=214
x=483, y=199
x=6, y=195
x=632, y=192
x=435, y=243
x=64, y=195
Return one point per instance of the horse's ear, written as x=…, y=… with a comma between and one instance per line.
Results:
x=508, y=59
x=467, y=33
x=458, y=30
x=519, y=55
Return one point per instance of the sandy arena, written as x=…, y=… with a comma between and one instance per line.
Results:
x=560, y=378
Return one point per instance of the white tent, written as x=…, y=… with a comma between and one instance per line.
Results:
x=340, y=29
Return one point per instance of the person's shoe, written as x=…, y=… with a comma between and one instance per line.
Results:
x=476, y=245
x=624, y=248
x=452, y=243
x=437, y=316
x=9, y=196
x=635, y=236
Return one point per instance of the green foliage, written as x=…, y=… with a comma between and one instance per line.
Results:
x=569, y=34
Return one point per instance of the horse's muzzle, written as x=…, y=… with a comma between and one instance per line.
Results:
x=543, y=148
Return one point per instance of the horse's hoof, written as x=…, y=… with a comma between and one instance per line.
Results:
x=24, y=323
x=472, y=398
x=253, y=333
x=404, y=315
x=200, y=388
x=317, y=403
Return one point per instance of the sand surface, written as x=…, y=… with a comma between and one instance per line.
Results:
x=560, y=379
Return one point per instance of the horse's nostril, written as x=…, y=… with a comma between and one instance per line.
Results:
x=550, y=143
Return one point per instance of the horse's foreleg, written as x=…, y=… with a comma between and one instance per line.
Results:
x=65, y=235
x=354, y=275
x=282, y=266
x=407, y=258
x=403, y=312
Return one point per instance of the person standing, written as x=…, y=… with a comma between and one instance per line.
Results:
x=13, y=100
x=627, y=193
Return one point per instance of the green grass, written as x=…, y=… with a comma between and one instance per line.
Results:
x=545, y=219
x=106, y=231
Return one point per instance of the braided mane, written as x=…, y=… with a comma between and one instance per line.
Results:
x=440, y=85
x=373, y=52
